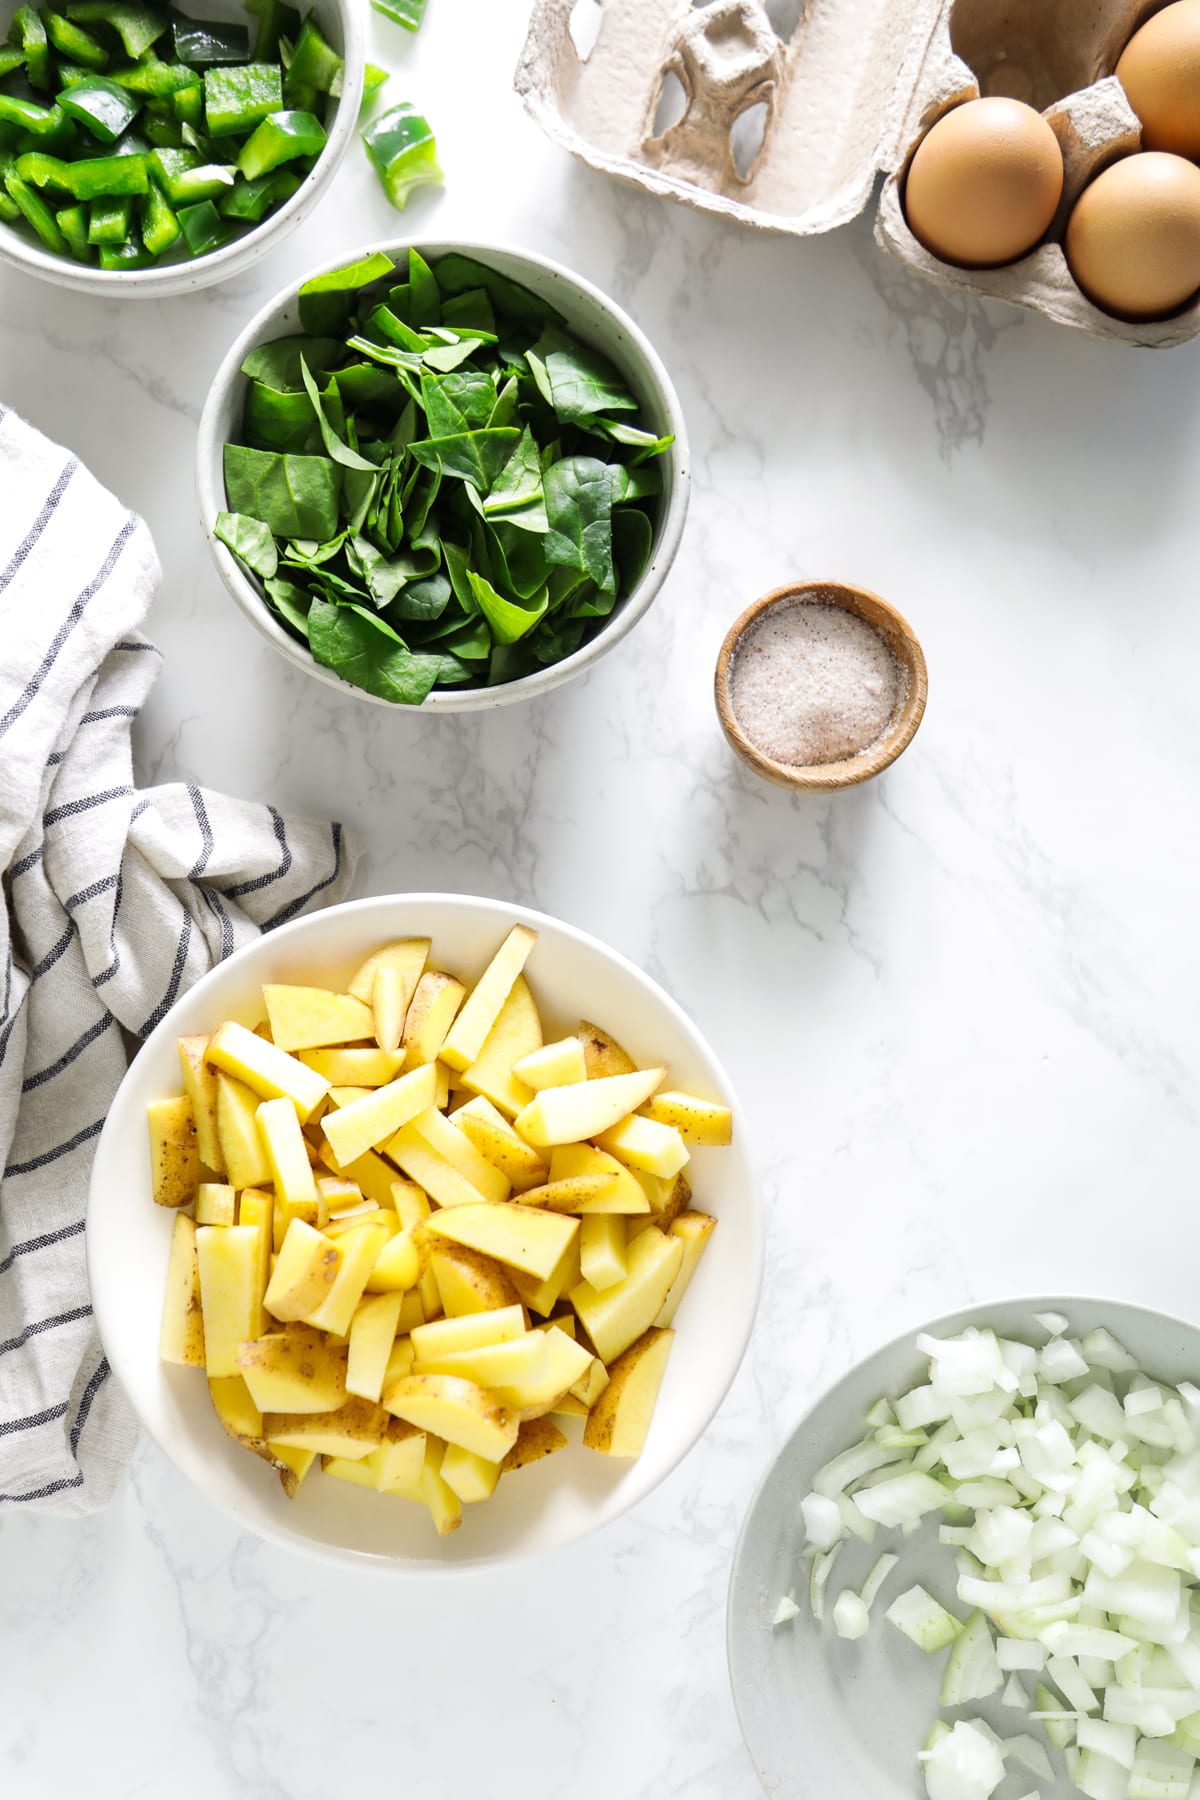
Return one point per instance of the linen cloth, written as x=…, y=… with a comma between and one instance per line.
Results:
x=115, y=902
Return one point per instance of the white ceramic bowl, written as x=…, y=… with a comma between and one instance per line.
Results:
x=822, y=1717
x=342, y=23
x=549, y=1504
x=594, y=318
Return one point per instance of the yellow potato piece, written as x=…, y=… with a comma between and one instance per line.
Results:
x=457, y=1411
x=614, y=1318
x=360, y=1473
x=471, y=1331
x=293, y=1371
x=537, y=1438
x=200, y=1085
x=602, y=1250
x=243, y=1153
x=345, y=1218
x=410, y=1202
x=271, y=1072
x=693, y=1229
x=444, y=1136
x=174, y=1155
x=541, y=1295
x=481, y=1009
x=287, y=1154
x=514, y=1372
x=352, y=1430
x=216, y=1204
x=430, y=1016
x=492, y=1135
x=643, y=1144
x=230, y=1294
x=389, y=1003
x=623, y=1194
x=471, y=1477
x=407, y=956
x=293, y=1465
x=469, y=1282
x=362, y=1126
x=364, y=1066
x=517, y=1031
x=697, y=1121
x=413, y=1153
x=181, y=1339
x=256, y=1211
x=522, y=1237
x=567, y=1362
x=304, y=1272
x=235, y=1408
x=399, y=1461
x=619, y=1421
x=305, y=1018
x=572, y=1194
x=397, y=1267
x=400, y=1358
x=568, y=1115
x=372, y=1337
x=554, y=1065
x=373, y=1176
x=591, y=1384
x=360, y=1251
x=602, y=1054
x=445, y=1508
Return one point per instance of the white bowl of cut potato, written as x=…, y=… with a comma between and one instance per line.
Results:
x=423, y=1234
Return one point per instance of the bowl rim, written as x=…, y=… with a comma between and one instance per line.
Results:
x=628, y=613
x=742, y=1328
x=167, y=280
x=905, y=647
x=973, y=1313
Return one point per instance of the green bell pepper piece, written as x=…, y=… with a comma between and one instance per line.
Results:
x=280, y=139
x=157, y=79
x=408, y=13
x=38, y=121
x=235, y=100
x=73, y=41
x=107, y=177
x=73, y=223
x=10, y=59
x=108, y=220
x=101, y=107
x=404, y=151
x=315, y=65
x=136, y=25
x=28, y=33
x=253, y=200
x=10, y=212
x=204, y=229
x=36, y=211
x=132, y=144
x=40, y=170
x=129, y=255
x=164, y=134
x=276, y=20
x=206, y=44
x=188, y=103
x=160, y=227
x=206, y=148
x=373, y=79
x=185, y=180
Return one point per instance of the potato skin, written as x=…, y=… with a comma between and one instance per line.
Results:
x=602, y=1055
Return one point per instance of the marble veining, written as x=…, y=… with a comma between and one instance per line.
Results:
x=959, y=1005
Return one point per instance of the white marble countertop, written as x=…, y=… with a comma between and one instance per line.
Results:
x=960, y=1004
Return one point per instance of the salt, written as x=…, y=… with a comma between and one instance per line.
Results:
x=813, y=683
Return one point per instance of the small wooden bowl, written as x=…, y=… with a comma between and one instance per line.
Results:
x=896, y=632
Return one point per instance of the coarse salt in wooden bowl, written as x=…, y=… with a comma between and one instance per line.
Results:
x=911, y=681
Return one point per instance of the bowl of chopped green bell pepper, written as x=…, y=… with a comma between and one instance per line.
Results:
x=148, y=151
x=444, y=476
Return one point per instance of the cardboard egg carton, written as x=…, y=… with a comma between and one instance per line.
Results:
x=786, y=122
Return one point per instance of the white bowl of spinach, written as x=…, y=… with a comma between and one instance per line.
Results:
x=448, y=475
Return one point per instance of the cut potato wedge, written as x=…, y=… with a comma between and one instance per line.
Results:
x=372, y=1176
x=216, y=1204
x=469, y=1282
x=514, y=1371
x=174, y=1153
x=517, y=1032
x=457, y=1411
x=407, y=956
x=450, y=1336
x=366, y=1124
x=620, y=1314
x=537, y=1438
x=693, y=1229
x=230, y=1292
x=454, y=1147
x=243, y=1153
x=305, y=1271
x=293, y=1465
x=235, y=1408
x=389, y=1003
x=554, y=1065
x=573, y=1194
x=619, y=1422
x=470, y=1030
x=492, y=1135
x=439, y=1179
x=522, y=1237
x=642, y=1143
x=305, y=1018
x=543, y=1295
x=272, y=1073
x=399, y=1460
x=602, y=1250
x=602, y=1054
x=181, y=1339
x=568, y=1115
x=622, y=1193
x=372, y=1337
x=361, y=1066
x=287, y=1154
x=360, y=1248
x=400, y=1358
x=430, y=1015
x=352, y=1430
x=445, y=1507
x=397, y=1267
x=200, y=1086
x=697, y=1121
x=471, y=1477
x=297, y=1370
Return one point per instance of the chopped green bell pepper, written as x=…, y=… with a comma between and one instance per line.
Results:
x=160, y=227
x=10, y=59
x=132, y=144
x=108, y=220
x=164, y=134
x=129, y=255
x=188, y=103
x=136, y=25
x=102, y=177
x=157, y=79
x=408, y=13
x=73, y=41
x=404, y=152
x=101, y=107
x=205, y=44
x=10, y=212
x=280, y=139
x=204, y=229
x=41, y=171
x=276, y=20
x=72, y=222
x=185, y=180
x=28, y=33
x=36, y=212
x=315, y=65
x=252, y=200
x=236, y=99
x=39, y=121
x=373, y=79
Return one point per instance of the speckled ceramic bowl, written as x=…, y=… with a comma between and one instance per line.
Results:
x=342, y=23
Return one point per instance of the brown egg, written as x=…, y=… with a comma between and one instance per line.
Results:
x=1160, y=72
x=1133, y=239
x=984, y=183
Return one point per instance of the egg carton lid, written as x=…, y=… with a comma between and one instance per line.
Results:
x=847, y=91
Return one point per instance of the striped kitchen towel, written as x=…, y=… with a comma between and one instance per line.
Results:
x=116, y=900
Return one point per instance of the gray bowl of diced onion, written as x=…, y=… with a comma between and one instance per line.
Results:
x=1053, y=1585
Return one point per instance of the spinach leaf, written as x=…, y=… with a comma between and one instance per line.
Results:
x=250, y=540
x=508, y=622
x=520, y=480
x=457, y=403
x=277, y=365
x=451, y=356
x=423, y=600
x=644, y=442
x=474, y=456
x=584, y=386
x=518, y=561
x=294, y=496
x=629, y=485
x=326, y=303
x=340, y=452
x=472, y=307
x=459, y=274
x=275, y=420
x=424, y=292
x=579, y=509
x=633, y=540
x=365, y=651
x=291, y=603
